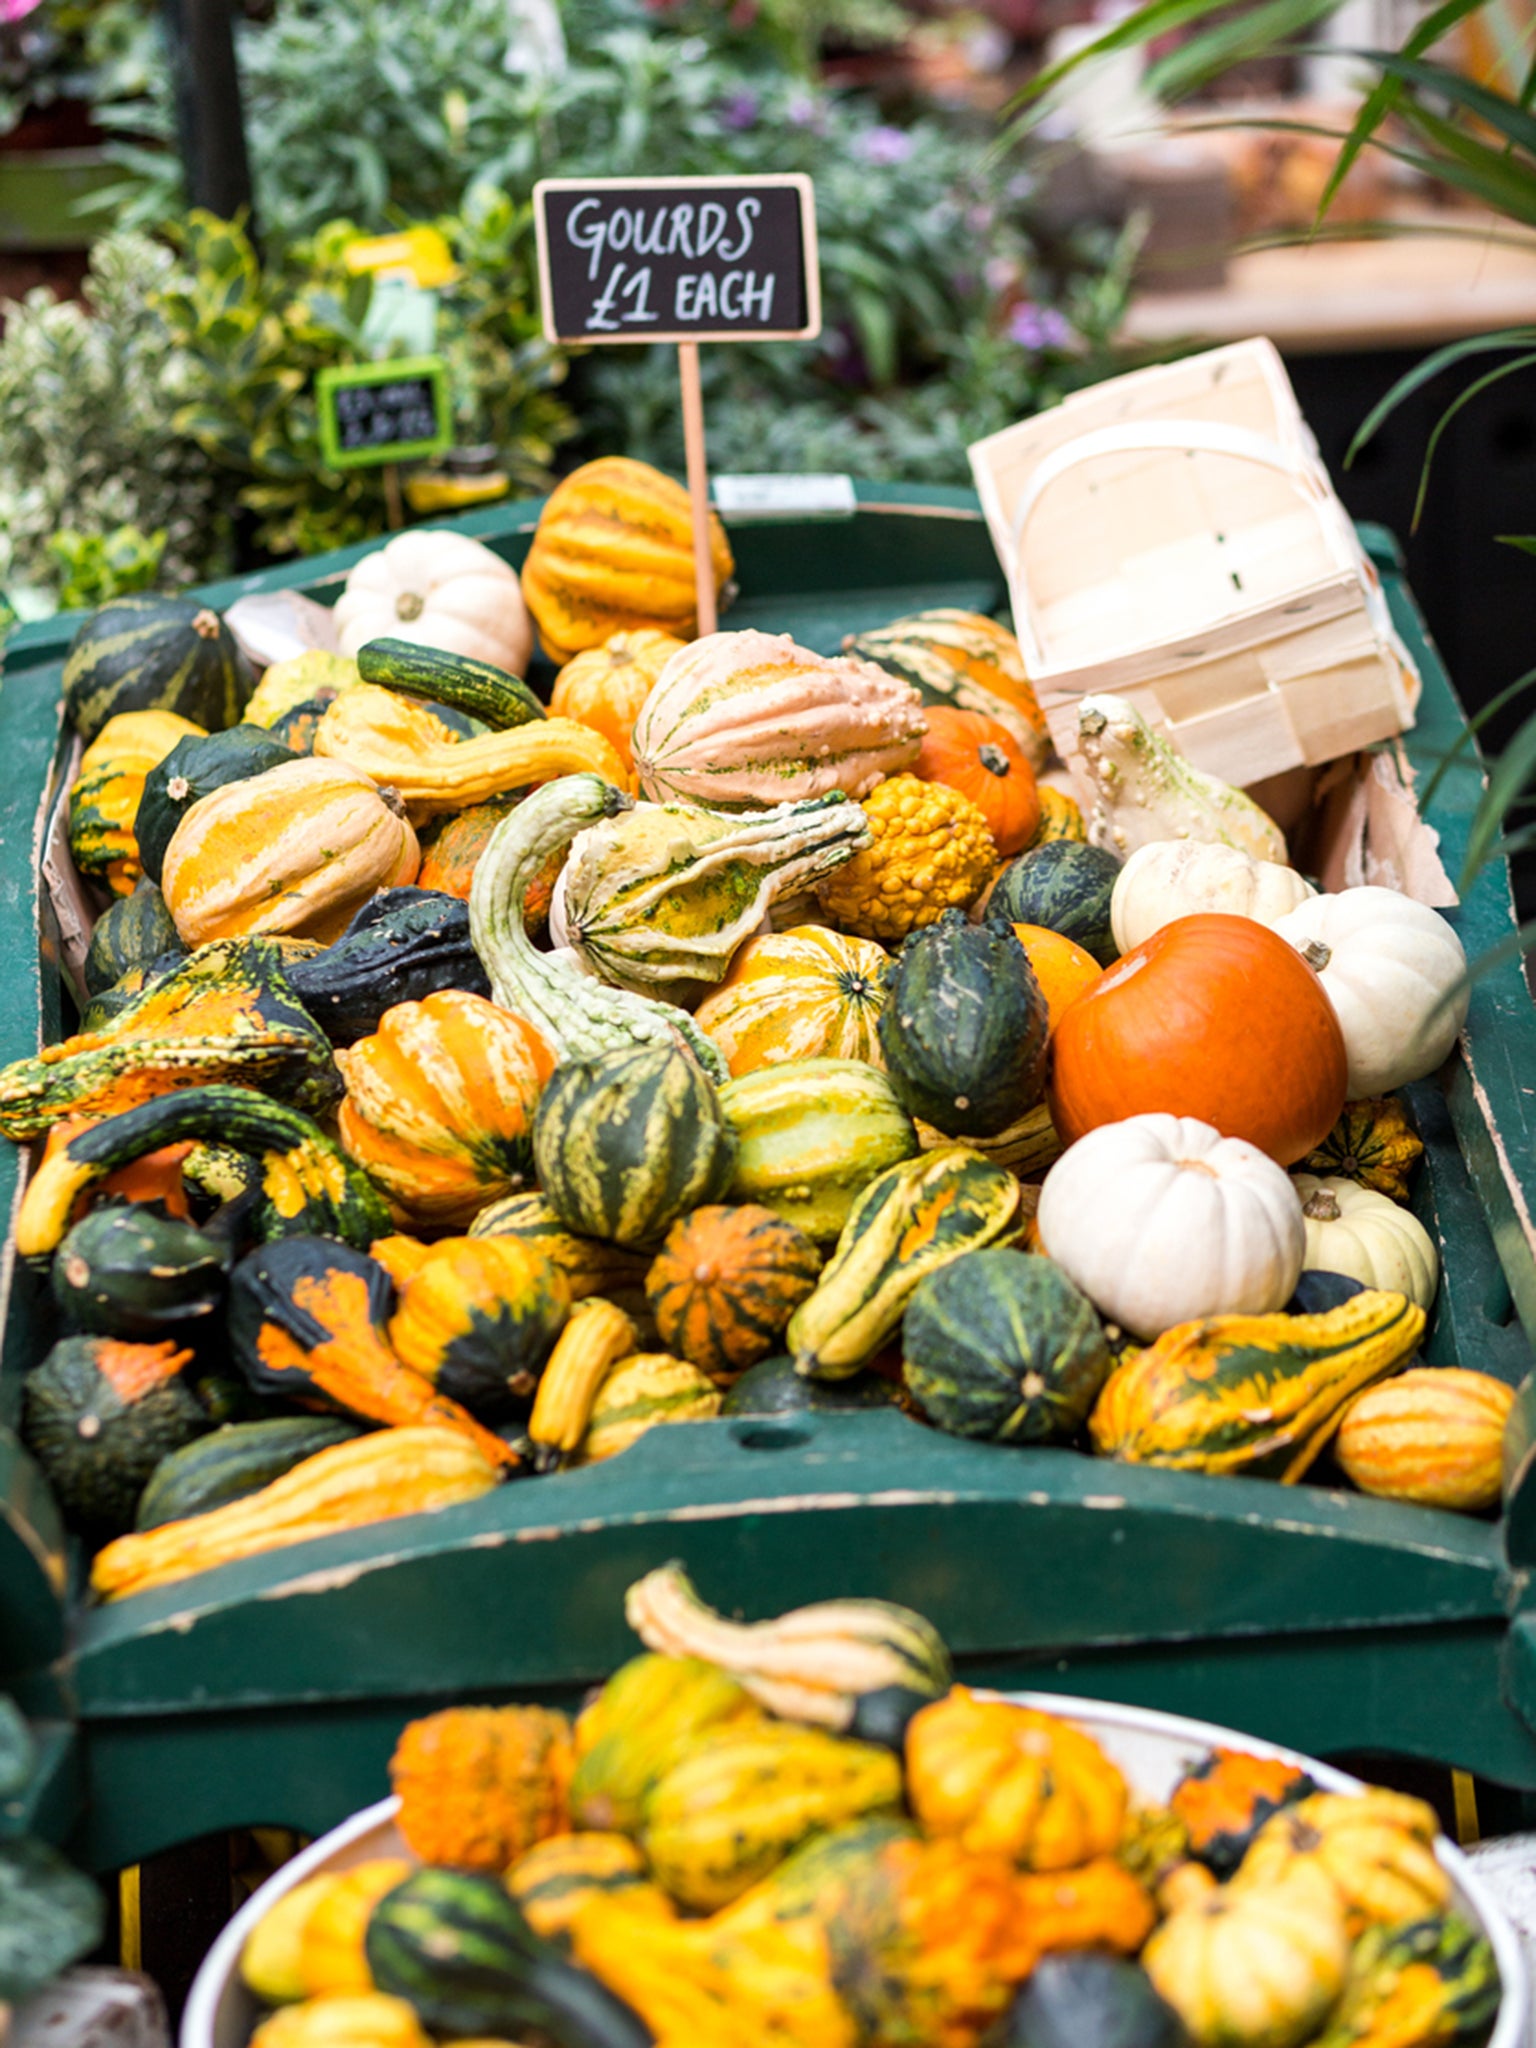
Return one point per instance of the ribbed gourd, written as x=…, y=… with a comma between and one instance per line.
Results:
x=908, y=1222
x=195, y=767
x=613, y=552
x=591, y=1265
x=1000, y=1344
x=811, y=1135
x=150, y=653
x=652, y=1711
x=234, y=1461
x=104, y=801
x=627, y=1142
x=1376, y=1848
x=964, y=1028
x=821, y=1664
x=296, y=850
x=99, y=1414
x=965, y=660
x=226, y=1014
x=1254, y=1394
x=478, y=1318
x=129, y=1271
x=1372, y=1143
x=663, y=895
x=1433, y=1435
x=576, y=1017
x=752, y=719
x=725, y=1283
x=804, y=994
x=131, y=934
x=606, y=687
x=638, y=1394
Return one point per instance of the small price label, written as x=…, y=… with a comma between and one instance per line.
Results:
x=786, y=497
x=372, y=413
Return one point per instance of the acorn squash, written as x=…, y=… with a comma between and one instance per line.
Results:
x=1064, y=886
x=775, y=1388
x=131, y=934
x=803, y=994
x=99, y=1415
x=149, y=653
x=725, y=1283
x=130, y=1272
x=964, y=660
x=478, y=1318
x=1084, y=1997
x=194, y=768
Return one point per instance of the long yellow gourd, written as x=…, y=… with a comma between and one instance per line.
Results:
x=369, y=1479
x=401, y=745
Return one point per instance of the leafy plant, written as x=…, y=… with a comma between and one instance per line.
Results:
x=87, y=445
x=72, y=49
x=98, y=567
x=255, y=336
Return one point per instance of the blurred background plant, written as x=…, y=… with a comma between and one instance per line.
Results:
x=86, y=50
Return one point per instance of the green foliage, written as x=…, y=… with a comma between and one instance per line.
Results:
x=98, y=567
x=256, y=335
x=87, y=443
x=50, y=1915
x=18, y=1752
x=74, y=49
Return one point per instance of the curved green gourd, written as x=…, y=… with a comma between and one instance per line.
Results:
x=578, y=1018
x=132, y=1272
x=495, y=696
x=235, y=1461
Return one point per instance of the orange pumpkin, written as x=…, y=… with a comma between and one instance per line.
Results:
x=1212, y=1017
x=977, y=755
x=439, y=1104
x=1062, y=968
x=725, y=1283
x=606, y=686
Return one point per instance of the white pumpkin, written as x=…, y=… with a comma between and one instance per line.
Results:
x=440, y=590
x=1159, y=1219
x=1366, y=1236
x=1394, y=972
x=1169, y=878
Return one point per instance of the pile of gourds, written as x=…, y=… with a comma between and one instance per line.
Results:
x=802, y=1834
x=438, y=1093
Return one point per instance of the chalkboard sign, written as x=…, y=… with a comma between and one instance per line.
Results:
x=383, y=412
x=678, y=259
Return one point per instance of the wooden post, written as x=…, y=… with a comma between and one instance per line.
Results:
x=201, y=36
x=394, y=504
x=698, y=481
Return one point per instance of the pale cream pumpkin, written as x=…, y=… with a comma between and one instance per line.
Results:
x=1160, y=1219
x=1368, y=1237
x=440, y=590
x=742, y=719
x=1394, y=972
x=1169, y=878
x=297, y=850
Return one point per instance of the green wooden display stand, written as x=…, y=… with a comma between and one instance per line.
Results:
x=272, y=1690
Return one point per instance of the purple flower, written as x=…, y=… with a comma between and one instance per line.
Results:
x=740, y=110
x=884, y=145
x=1038, y=327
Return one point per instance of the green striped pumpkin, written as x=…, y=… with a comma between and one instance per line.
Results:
x=726, y=1282
x=149, y=653
x=639, y=1392
x=99, y=1415
x=626, y=1142
x=194, y=768
x=134, y=931
x=811, y=1136
x=458, y=1948
x=1001, y=1345
x=1064, y=886
x=235, y=1461
x=964, y=1028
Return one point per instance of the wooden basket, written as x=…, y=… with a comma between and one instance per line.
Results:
x=1172, y=536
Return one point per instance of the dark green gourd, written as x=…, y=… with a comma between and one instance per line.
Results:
x=401, y=946
x=149, y=653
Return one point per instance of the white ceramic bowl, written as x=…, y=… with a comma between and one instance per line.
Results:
x=1153, y=1751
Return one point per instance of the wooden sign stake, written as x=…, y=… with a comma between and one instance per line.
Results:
x=394, y=503
x=698, y=481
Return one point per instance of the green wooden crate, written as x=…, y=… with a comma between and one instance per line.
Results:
x=272, y=1690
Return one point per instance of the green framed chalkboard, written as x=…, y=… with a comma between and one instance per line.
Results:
x=372, y=413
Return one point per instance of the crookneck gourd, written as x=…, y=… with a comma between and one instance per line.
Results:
x=664, y=894
x=307, y=1183
x=393, y=741
x=306, y=1323
x=576, y=1017
x=1255, y=1394
x=402, y=945
x=819, y=1664
x=225, y=1014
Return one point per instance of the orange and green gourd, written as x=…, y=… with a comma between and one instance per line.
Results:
x=804, y=994
x=104, y=802
x=725, y=1283
x=478, y=1318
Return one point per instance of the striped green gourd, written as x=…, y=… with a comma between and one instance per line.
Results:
x=132, y=932
x=194, y=768
x=235, y=1461
x=1391, y=1971
x=458, y=1948
x=590, y=1264
x=639, y=1392
x=1001, y=1345
x=500, y=700
x=907, y=1223
x=99, y=1415
x=148, y=653
x=577, y=1018
x=811, y=1135
x=1064, y=886
x=964, y=1028
x=626, y=1142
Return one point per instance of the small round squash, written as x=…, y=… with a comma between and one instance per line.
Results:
x=726, y=1282
x=1255, y=1966
x=1001, y=1345
x=804, y=994
x=1353, y=1230
x=1062, y=968
x=478, y=1318
x=605, y=687
x=977, y=755
x=1065, y=886
x=1434, y=1434
x=1213, y=1017
x=1159, y=1219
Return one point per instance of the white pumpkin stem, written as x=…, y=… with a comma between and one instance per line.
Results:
x=1316, y=954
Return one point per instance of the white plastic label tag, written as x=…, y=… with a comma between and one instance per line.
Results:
x=785, y=497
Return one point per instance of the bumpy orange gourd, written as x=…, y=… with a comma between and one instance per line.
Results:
x=604, y=687
x=296, y=850
x=1375, y=1847
x=478, y=1786
x=612, y=553
x=931, y=852
x=1433, y=1435
x=968, y=751
x=440, y=1102
x=1007, y=1780
x=806, y=994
